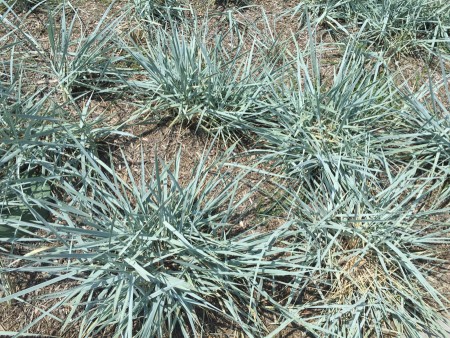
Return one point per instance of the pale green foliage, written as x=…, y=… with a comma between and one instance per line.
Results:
x=333, y=222
x=394, y=26
x=204, y=84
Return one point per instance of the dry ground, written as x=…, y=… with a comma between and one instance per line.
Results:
x=165, y=141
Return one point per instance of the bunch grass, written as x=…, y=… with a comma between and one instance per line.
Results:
x=333, y=222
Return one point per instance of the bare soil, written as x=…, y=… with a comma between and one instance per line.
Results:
x=164, y=142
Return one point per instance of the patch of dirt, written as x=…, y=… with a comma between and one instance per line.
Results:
x=261, y=19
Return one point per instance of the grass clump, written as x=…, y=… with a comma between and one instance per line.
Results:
x=333, y=223
x=376, y=255
x=150, y=11
x=151, y=258
x=355, y=198
x=199, y=83
x=394, y=26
